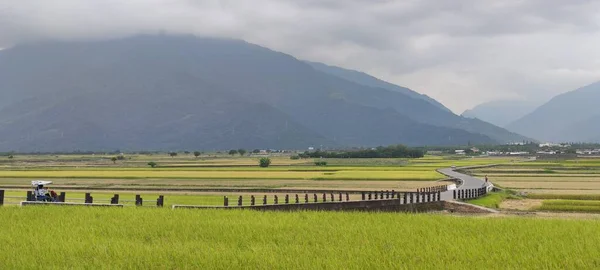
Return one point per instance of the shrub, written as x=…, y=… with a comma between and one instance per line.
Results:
x=152, y=164
x=295, y=157
x=321, y=163
x=264, y=162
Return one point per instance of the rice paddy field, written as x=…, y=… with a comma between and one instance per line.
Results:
x=151, y=238
x=222, y=171
x=557, y=185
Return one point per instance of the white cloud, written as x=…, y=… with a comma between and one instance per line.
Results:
x=459, y=52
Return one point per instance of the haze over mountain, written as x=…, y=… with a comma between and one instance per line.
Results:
x=500, y=112
x=368, y=80
x=569, y=117
x=184, y=92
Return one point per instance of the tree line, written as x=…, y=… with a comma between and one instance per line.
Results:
x=392, y=151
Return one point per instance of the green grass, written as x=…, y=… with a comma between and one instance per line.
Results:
x=570, y=206
x=133, y=238
x=493, y=200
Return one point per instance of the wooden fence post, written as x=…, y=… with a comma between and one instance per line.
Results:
x=370, y=196
x=287, y=199
x=387, y=194
x=376, y=195
x=347, y=197
x=225, y=201
x=316, y=198
x=265, y=200
x=429, y=197
x=454, y=194
x=341, y=197
x=411, y=198
x=276, y=199
x=1, y=197
x=418, y=197
x=297, y=199
x=305, y=197
x=363, y=195
x=240, y=201
x=439, y=195
x=62, y=197
x=139, y=201
x=114, y=199
x=89, y=198
x=394, y=194
x=405, y=197
x=252, y=200
x=332, y=198
x=161, y=201
x=324, y=197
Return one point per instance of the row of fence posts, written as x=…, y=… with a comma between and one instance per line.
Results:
x=315, y=198
x=469, y=193
x=404, y=197
x=139, y=201
x=433, y=189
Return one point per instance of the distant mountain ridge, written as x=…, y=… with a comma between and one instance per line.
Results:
x=570, y=117
x=368, y=80
x=184, y=92
x=500, y=112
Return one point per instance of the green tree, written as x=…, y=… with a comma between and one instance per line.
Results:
x=256, y=151
x=173, y=154
x=114, y=160
x=152, y=164
x=233, y=152
x=11, y=157
x=264, y=162
x=197, y=153
x=242, y=151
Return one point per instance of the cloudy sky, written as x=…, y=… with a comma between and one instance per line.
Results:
x=460, y=52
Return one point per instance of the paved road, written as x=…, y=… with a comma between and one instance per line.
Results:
x=468, y=182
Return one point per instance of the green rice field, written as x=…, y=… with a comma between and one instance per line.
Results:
x=586, y=206
x=150, y=238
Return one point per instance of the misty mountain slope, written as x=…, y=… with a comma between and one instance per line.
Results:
x=184, y=92
x=368, y=80
x=500, y=113
x=571, y=116
x=157, y=120
x=413, y=105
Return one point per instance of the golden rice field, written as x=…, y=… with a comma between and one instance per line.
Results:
x=180, y=174
x=224, y=171
x=132, y=238
x=579, y=176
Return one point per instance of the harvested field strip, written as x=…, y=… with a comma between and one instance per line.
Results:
x=542, y=179
x=207, y=239
x=340, y=175
x=550, y=185
x=541, y=175
x=239, y=169
x=564, y=196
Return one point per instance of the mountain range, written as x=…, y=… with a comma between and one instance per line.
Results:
x=570, y=117
x=500, y=112
x=163, y=92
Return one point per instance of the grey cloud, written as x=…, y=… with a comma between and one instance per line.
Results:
x=476, y=50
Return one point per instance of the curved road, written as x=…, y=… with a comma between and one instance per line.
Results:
x=468, y=182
